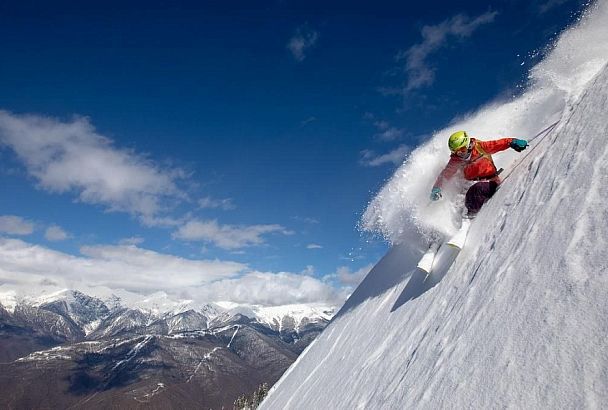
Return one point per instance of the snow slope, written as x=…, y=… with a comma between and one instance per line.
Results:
x=520, y=319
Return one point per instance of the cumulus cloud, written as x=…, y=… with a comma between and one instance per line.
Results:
x=126, y=267
x=302, y=41
x=15, y=225
x=227, y=236
x=28, y=267
x=71, y=156
x=55, y=233
x=370, y=158
x=419, y=72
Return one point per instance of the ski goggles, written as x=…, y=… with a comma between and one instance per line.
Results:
x=464, y=152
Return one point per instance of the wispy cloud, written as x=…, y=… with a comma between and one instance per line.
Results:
x=306, y=220
x=227, y=236
x=15, y=225
x=419, y=73
x=56, y=233
x=134, y=240
x=212, y=203
x=71, y=157
x=313, y=246
x=370, y=158
x=307, y=121
x=384, y=130
x=302, y=41
x=549, y=4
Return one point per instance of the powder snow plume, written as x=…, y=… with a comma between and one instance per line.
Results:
x=402, y=211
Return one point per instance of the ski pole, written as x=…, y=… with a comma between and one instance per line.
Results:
x=546, y=132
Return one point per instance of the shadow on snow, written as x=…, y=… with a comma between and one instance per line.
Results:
x=397, y=266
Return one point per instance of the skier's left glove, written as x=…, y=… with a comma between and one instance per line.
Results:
x=518, y=145
x=436, y=194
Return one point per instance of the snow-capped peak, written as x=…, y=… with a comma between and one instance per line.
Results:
x=9, y=300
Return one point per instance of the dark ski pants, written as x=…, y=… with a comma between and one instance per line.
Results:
x=478, y=194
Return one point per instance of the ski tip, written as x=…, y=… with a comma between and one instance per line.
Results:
x=427, y=271
x=454, y=246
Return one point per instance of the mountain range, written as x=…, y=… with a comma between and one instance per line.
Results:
x=72, y=350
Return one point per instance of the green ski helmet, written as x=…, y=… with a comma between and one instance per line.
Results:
x=458, y=141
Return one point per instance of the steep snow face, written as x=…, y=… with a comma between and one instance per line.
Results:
x=521, y=317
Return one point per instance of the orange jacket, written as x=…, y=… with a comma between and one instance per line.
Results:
x=479, y=165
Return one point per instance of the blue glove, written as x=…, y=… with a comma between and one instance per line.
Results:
x=436, y=194
x=519, y=145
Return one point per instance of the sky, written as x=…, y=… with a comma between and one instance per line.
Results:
x=227, y=150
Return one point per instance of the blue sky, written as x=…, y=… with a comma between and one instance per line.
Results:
x=247, y=134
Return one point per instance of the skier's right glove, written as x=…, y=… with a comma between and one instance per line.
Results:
x=518, y=145
x=436, y=194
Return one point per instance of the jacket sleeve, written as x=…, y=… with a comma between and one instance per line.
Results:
x=492, y=147
x=453, y=165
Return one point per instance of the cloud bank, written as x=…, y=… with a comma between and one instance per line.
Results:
x=29, y=267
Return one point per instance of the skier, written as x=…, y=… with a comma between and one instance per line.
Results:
x=474, y=158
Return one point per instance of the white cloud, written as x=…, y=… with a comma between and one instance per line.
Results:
x=15, y=225
x=211, y=203
x=348, y=278
x=271, y=289
x=56, y=233
x=30, y=267
x=420, y=74
x=227, y=236
x=302, y=41
x=396, y=157
x=353, y=279
x=313, y=246
x=72, y=157
x=125, y=267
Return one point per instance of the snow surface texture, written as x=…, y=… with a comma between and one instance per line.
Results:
x=520, y=319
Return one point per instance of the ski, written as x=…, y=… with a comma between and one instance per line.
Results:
x=426, y=262
x=457, y=242
x=459, y=239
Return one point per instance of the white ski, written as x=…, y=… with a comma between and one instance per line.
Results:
x=426, y=262
x=458, y=240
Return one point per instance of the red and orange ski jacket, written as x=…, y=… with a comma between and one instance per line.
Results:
x=479, y=165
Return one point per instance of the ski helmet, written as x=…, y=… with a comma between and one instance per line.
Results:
x=458, y=140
